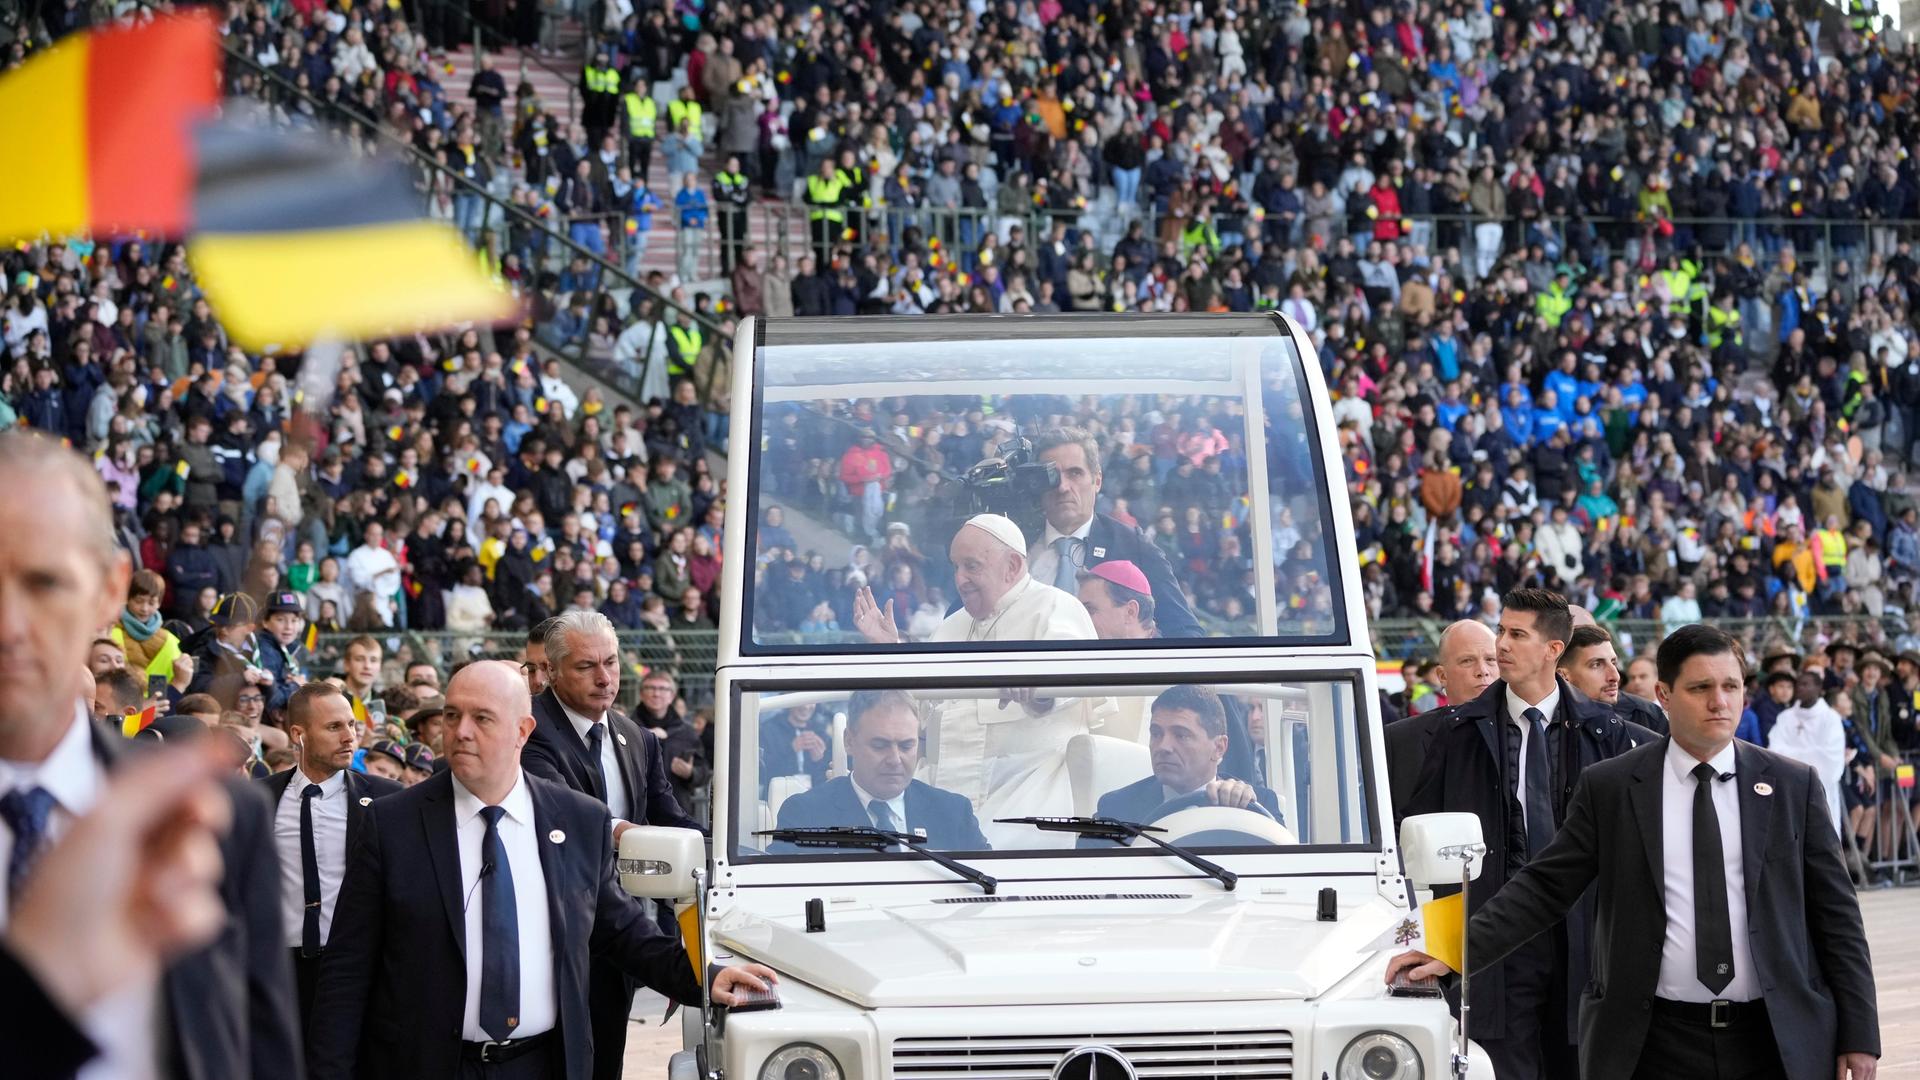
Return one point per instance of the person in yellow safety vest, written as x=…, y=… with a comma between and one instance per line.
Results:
x=643, y=116
x=599, y=98
x=825, y=192
x=1830, y=544
x=1553, y=304
x=731, y=194
x=856, y=193
x=683, y=113
x=1723, y=323
x=686, y=344
x=1200, y=234
x=1863, y=17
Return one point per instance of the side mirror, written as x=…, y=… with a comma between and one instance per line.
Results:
x=1433, y=846
x=658, y=863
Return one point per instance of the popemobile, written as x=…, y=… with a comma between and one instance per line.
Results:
x=1085, y=813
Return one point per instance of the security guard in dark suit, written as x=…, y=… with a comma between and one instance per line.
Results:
x=1467, y=667
x=1628, y=707
x=1512, y=757
x=1727, y=940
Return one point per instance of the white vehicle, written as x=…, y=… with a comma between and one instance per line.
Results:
x=1246, y=934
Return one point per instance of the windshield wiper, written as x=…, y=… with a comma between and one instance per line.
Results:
x=839, y=836
x=1104, y=828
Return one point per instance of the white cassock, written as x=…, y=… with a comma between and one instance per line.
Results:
x=1815, y=736
x=1009, y=762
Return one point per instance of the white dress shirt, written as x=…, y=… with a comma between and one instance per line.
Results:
x=329, y=851
x=122, y=1026
x=539, y=1008
x=1043, y=562
x=897, y=804
x=1679, y=975
x=1516, y=715
x=617, y=801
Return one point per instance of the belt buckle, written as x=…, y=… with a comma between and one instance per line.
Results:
x=1720, y=1013
x=490, y=1048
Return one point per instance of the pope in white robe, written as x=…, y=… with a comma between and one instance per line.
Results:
x=1007, y=752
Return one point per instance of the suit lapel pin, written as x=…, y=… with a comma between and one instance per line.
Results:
x=557, y=836
x=619, y=738
x=1099, y=553
x=1763, y=788
x=366, y=800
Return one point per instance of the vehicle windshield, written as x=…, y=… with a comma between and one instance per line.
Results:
x=1240, y=765
x=1160, y=480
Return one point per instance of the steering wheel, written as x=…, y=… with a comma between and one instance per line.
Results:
x=1193, y=820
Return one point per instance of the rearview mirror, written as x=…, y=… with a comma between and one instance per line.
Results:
x=657, y=863
x=1434, y=845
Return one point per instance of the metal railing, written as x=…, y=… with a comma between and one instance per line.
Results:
x=1407, y=639
x=553, y=246
x=690, y=656
x=485, y=38
x=1594, y=241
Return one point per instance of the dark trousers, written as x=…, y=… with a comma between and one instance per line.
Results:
x=1535, y=1045
x=609, y=1005
x=306, y=976
x=639, y=158
x=1678, y=1047
x=733, y=237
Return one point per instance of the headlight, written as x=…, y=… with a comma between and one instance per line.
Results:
x=802, y=1061
x=1379, y=1055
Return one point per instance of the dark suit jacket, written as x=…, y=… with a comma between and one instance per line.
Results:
x=1641, y=711
x=1138, y=801
x=947, y=817
x=1466, y=770
x=230, y=1006
x=1408, y=742
x=359, y=786
x=1809, y=948
x=777, y=757
x=1110, y=541
x=391, y=1000
x=223, y=1025
x=556, y=752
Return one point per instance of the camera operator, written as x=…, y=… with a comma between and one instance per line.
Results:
x=1077, y=539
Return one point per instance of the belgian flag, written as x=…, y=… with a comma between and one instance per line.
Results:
x=294, y=243
x=96, y=132
x=111, y=131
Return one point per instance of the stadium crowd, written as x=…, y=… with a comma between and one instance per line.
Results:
x=1612, y=299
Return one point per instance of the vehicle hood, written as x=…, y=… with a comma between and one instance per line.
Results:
x=1096, y=950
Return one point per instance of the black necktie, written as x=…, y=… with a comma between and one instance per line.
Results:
x=1713, y=928
x=1539, y=785
x=309, y=875
x=27, y=812
x=596, y=738
x=882, y=815
x=499, y=934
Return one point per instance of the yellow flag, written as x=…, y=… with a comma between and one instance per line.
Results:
x=689, y=918
x=1445, y=922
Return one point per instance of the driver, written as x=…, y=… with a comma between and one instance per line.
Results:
x=883, y=750
x=1187, y=735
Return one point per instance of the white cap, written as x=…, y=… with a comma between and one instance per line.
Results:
x=1001, y=529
